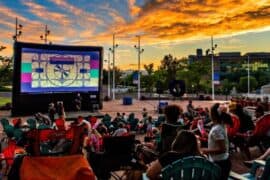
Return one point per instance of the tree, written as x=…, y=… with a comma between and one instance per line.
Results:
x=118, y=74
x=226, y=86
x=6, y=71
x=148, y=81
x=128, y=79
x=160, y=75
x=196, y=75
x=243, y=84
x=170, y=65
x=149, y=68
x=105, y=76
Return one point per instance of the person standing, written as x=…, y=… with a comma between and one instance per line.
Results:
x=78, y=102
x=61, y=109
x=51, y=112
x=218, y=143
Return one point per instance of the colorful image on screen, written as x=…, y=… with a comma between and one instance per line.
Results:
x=59, y=71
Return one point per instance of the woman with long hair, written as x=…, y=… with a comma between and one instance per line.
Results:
x=185, y=144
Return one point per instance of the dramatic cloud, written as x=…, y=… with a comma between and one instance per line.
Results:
x=43, y=13
x=117, y=19
x=134, y=10
x=81, y=14
x=169, y=20
x=157, y=21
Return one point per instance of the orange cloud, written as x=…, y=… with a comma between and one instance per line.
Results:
x=8, y=47
x=117, y=19
x=7, y=13
x=6, y=23
x=134, y=10
x=157, y=21
x=175, y=20
x=43, y=13
x=84, y=16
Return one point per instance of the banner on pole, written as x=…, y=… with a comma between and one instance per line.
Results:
x=216, y=78
x=135, y=78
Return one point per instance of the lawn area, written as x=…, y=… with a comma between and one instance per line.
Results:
x=4, y=100
x=5, y=88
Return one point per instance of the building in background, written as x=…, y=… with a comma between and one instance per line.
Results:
x=234, y=65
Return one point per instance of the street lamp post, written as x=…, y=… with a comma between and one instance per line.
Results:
x=113, y=52
x=109, y=76
x=248, y=71
x=18, y=30
x=140, y=51
x=213, y=47
x=46, y=34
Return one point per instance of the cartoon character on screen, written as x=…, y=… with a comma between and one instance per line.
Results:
x=61, y=70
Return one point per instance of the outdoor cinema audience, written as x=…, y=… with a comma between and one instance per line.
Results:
x=162, y=139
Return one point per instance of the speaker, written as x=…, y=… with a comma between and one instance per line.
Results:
x=177, y=88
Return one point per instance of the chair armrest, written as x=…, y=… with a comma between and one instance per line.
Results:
x=235, y=175
x=144, y=177
x=260, y=162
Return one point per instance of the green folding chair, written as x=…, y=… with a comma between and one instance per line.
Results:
x=190, y=168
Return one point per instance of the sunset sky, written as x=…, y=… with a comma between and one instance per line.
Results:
x=177, y=27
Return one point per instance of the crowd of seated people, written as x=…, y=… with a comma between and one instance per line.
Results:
x=167, y=137
x=246, y=101
x=228, y=125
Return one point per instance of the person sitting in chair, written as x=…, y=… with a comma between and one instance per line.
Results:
x=185, y=144
x=121, y=131
x=170, y=127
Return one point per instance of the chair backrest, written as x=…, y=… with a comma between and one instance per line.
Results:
x=232, y=130
x=256, y=165
x=119, y=145
x=266, y=172
x=192, y=167
x=168, y=134
x=262, y=126
x=36, y=138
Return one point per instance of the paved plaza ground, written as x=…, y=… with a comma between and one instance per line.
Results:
x=112, y=107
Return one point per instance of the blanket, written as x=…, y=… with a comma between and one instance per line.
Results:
x=56, y=168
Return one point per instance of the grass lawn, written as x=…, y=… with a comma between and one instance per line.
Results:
x=5, y=88
x=4, y=100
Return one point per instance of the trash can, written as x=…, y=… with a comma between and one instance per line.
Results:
x=127, y=100
x=161, y=106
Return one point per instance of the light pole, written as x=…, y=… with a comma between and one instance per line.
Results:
x=46, y=34
x=140, y=51
x=113, y=52
x=213, y=47
x=18, y=30
x=109, y=75
x=248, y=71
